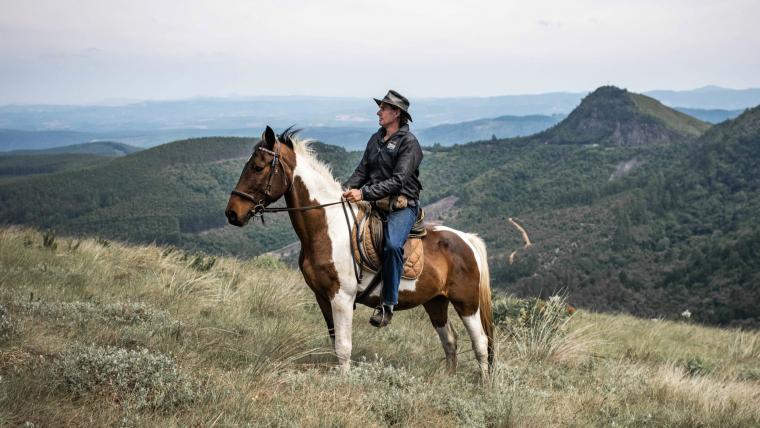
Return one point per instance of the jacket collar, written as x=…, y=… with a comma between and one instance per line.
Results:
x=404, y=129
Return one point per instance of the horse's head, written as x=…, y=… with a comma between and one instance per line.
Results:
x=266, y=176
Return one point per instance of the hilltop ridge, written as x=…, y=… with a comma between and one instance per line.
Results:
x=98, y=148
x=611, y=116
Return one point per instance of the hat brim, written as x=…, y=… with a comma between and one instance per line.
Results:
x=403, y=112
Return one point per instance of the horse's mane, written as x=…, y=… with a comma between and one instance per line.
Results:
x=305, y=153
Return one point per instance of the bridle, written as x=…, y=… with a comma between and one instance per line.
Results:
x=259, y=207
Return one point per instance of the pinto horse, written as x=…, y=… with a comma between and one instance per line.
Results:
x=455, y=266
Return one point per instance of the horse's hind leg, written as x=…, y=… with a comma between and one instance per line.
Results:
x=477, y=335
x=438, y=311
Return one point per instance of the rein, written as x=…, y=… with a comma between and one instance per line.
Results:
x=259, y=209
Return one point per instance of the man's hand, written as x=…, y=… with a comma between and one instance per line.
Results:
x=353, y=195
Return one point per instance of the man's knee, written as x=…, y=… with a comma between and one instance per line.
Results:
x=394, y=247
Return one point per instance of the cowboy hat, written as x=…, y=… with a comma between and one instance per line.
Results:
x=397, y=100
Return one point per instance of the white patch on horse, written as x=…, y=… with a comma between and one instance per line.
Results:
x=323, y=188
x=479, y=339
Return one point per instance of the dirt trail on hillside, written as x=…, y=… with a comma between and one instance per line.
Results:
x=525, y=237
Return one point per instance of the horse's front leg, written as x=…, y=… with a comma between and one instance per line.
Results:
x=343, y=316
x=326, y=308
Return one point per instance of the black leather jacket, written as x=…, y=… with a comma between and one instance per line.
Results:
x=389, y=168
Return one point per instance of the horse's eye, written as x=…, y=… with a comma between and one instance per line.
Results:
x=257, y=168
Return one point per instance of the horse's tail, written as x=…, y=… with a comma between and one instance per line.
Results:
x=484, y=301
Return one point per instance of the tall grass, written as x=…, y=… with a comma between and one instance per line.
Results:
x=105, y=334
x=540, y=330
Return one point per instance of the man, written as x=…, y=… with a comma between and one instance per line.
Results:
x=390, y=167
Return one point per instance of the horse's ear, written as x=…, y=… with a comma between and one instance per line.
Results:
x=269, y=138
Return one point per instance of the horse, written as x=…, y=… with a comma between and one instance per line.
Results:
x=455, y=263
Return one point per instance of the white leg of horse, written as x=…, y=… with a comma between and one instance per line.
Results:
x=449, y=341
x=479, y=341
x=343, y=316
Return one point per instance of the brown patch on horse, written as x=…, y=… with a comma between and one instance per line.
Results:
x=438, y=311
x=463, y=272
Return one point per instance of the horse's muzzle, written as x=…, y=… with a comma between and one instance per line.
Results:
x=233, y=218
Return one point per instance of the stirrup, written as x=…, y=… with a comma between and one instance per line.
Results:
x=381, y=317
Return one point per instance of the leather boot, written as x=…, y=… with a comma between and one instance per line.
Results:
x=382, y=316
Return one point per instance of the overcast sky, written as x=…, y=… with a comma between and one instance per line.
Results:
x=91, y=51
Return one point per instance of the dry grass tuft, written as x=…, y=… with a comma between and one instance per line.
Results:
x=540, y=330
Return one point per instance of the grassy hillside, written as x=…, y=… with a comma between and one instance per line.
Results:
x=99, y=333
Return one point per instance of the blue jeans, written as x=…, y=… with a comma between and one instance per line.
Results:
x=395, y=232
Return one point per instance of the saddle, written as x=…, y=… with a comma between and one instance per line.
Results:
x=367, y=241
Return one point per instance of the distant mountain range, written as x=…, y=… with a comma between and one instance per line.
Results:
x=340, y=121
x=24, y=163
x=710, y=115
x=709, y=97
x=484, y=129
x=98, y=148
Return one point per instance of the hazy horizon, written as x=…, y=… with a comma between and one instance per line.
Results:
x=114, y=102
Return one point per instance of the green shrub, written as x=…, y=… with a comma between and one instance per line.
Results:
x=139, y=379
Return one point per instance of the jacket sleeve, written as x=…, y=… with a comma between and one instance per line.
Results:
x=359, y=177
x=407, y=162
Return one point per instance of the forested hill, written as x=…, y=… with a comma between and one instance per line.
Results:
x=630, y=207
x=653, y=230
x=156, y=194
x=615, y=117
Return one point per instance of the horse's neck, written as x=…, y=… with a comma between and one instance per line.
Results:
x=314, y=227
